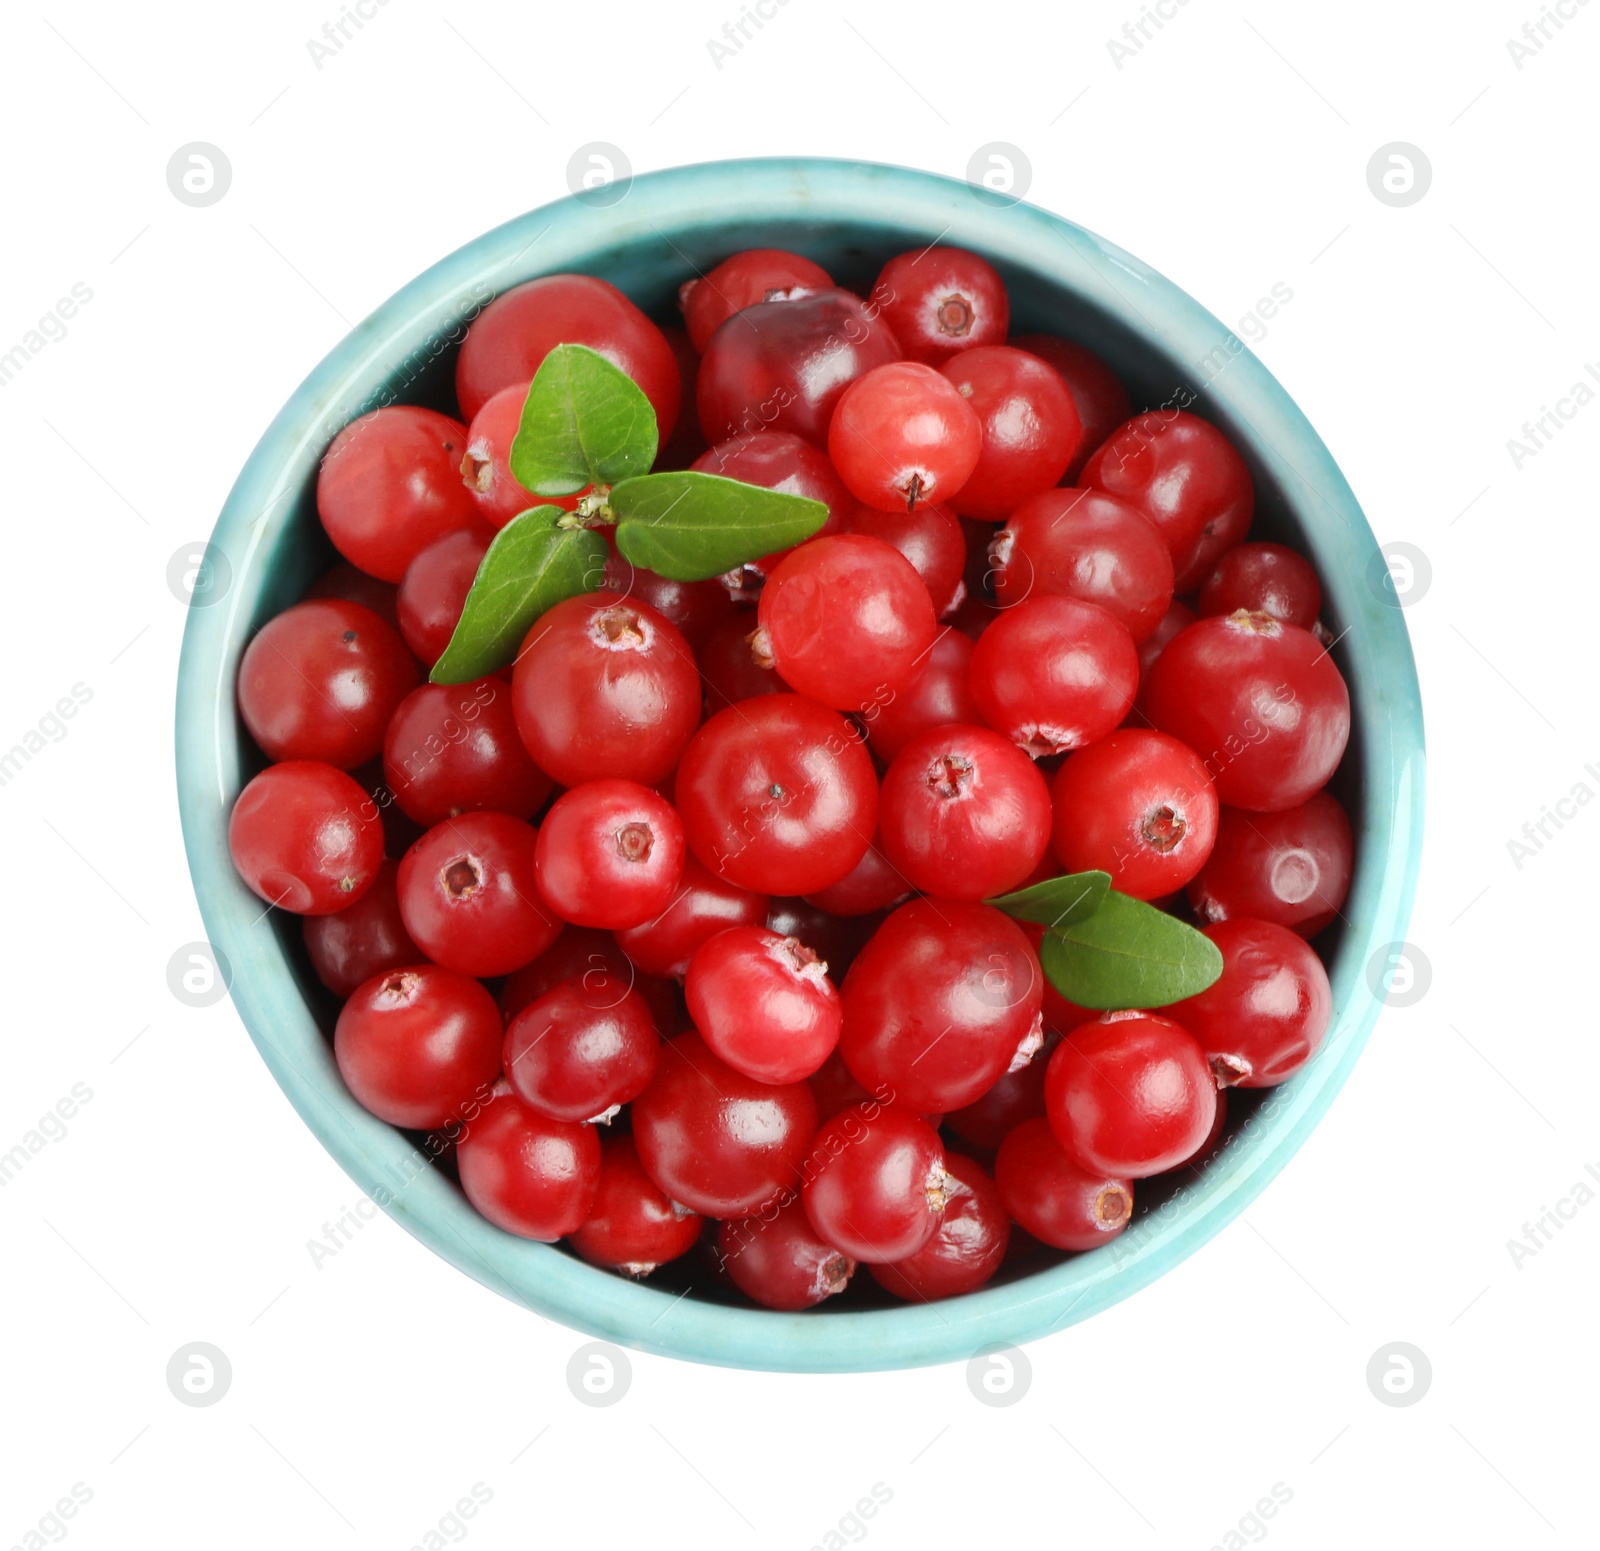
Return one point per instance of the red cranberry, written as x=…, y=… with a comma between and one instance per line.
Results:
x=875, y=1183
x=942, y=300
x=320, y=681
x=703, y=906
x=526, y=1173
x=581, y=1050
x=1055, y=1199
x=632, y=1226
x=929, y=537
x=938, y=695
x=362, y=940
x=728, y=665
x=873, y=884
x=1097, y=392
x=581, y=952
x=696, y=608
x=967, y=1247
x=486, y=464
x=687, y=441
x=391, y=484
x=353, y=586
x=610, y=854
x=1179, y=617
x=756, y=275
x=416, y=1045
x=835, y=939
x=777, y=1258
x=1266, y=578
x=434, y=589
x=1292, y=867
x=903, y=434
x=1015, y=1096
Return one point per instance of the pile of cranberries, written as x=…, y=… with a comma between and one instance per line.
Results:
x=673, y=937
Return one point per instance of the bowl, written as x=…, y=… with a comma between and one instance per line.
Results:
x=268, y=545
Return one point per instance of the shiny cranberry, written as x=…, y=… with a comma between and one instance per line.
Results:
x=703, y=905
x=1085, y=544
x=581, y=1050
x=306, y=838
x=632, y=1226
x=728, y=665
x=1179, y=617
x=469, y=898
x=603, y=688
x=1138, y=805
x=581, y=952
x=940, y=1003
x=610, y=854
x=400, y=830
x=1261, y=702
x=1015, y=1096
x=416, y=1045
x=1054, y=674
x=1130, y=1095
x=942, y=300
x=533, y=1176
x=1057, y=1200
x=1030, y=428
x=938, y=695
x=777, y=1258
x=1266, y=578
x=873, y=884
x=355, y=586
x=1268, y=1014
x=901, y=435
x=1060, y=1016
x=1097, y=392
x=964, y=813
x=1184, y=475
x=716, y=1140
x=778, y=795
x=875, y=1182
x=486, y=465
x=782, y=365
x=391, y=484
x=756, y=275
x=320, y=681
x=1292, y=867
x=517, y=330
x=696, y=608
x=967, y=1247
x=929, y=537
x=362, y=940
x=763, y=1003
x=434, y=589
x=687, y=441
x=835, y=939
x=845, y=620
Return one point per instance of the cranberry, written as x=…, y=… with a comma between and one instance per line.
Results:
x=728, y=664
x=581, y=1050
x=434, y=589
x=1184, y=475
x=1097, y=392
x=782, y=365
x=903, y=434
x=940, y=1003
x=1085, y=544
x=939, y=694
x=845, y=620
x=517, y=330
x=486, y=463
x=1030, y=428
x=687, y=441
x=1179, y=617
x=1060, y=1015
x=603, y=688
x=875, y=1182
x=873, y=884
x=306, y=838
x=1057, y=1200
x=835, y=939
x=930, y=538
x=1268, y=1014
x=526, y=1173
x=354, y=586
x=1292, y=867
x=468, y=895
x=1130, y=1095
x=964, y=813
x=703, y=905
x=579, y=952
x=763, y=1003
x=1261, y=702
x=942, y=300
x=696, y=608
x=400, y=830
x=777, y=1258
x=1138, y=805
x=1054, y=674
x=610, y=853
x=416, y=1045
x=1015, y=1096
x=716, y=1140
x=320, y=680
x=632, y=1226
x=967, y=1247
x=1266, y=578
x=391, y=484
x=362, y=940
x=778, y=795
x=835, y=1089
x=756, y=275
x=453, y=748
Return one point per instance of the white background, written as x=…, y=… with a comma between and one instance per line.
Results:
x=368, y=1396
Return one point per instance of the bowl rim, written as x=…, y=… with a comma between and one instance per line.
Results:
x=383, y=1163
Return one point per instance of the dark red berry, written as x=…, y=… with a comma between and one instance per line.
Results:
x=778, y=1259
x=756, y=275
x=610, y=854
x=1055, y=1199
x=966, y=1249
x=703, y=905
x=728, y=665
x=485, y=465
x=533, y=1176
x=873, y=884
x=434, y=589
x=581, y=1050
x=355, y=586
x=929, y=537
x=632, y=1226
x=363, y=939
x=875, y=1183
x=696, y=608
x=940, y=301
x=1016, y=1096
x=1097, y=392
x=1267, y=578
x=1179, y=617
x=940, y=693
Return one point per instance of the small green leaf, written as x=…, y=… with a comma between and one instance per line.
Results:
x=690, y=527
x=1057, y=902
x=531, y=566
x=1129, y=954
x=584, y=423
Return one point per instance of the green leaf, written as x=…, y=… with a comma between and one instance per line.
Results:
x=584, y=423
x=1129, y=954
x=1058, y=902
x=690, y=527
x=531, y=566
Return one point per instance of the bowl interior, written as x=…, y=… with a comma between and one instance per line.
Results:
x=850, y=218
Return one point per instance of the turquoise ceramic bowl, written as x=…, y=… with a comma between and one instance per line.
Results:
x=850, y=218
